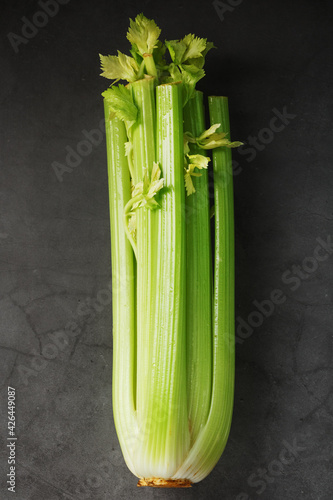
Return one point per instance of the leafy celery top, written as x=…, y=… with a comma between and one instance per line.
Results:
x=169, y=62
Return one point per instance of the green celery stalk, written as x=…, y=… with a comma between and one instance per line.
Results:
x=143, y=142
x=198, y=281
x=168, y=440
x=212, y=439
x=123, y=300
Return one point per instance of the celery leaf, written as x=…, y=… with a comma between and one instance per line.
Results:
x=176, y=50
x=144, y=193
x=210, y=139
x=195, y=161
x=120, y=67
x=190, y=77
x=121, y=102
x=194, y=46
x=143, y=34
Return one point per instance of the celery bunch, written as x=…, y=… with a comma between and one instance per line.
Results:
x=173, y=308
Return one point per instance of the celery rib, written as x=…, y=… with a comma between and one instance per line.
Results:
x=198, y=281
x=123, y=301
x=143, y=140
x=169, y=437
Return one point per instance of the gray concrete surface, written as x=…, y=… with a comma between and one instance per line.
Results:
x=272, y=58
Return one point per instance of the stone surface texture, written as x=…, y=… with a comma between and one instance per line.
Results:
x=274, y=59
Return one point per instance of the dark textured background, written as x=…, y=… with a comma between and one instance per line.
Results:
x=55, y=251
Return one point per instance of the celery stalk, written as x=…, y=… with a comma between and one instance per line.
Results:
x=123, y=303
x=198, y=281
x=168, y=437
x=143, y=142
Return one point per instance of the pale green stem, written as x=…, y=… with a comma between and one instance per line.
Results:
x=150, y=64
x=167, y=439
x=143, y=139
x=123, y=300
x=198, y=281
